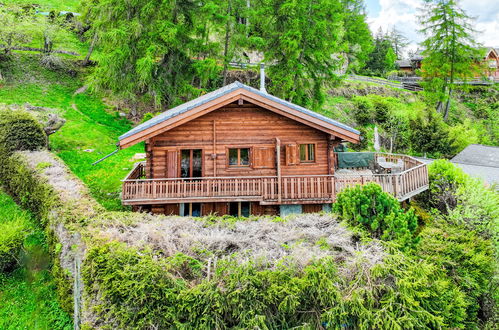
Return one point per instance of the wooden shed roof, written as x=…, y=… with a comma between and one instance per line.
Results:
x=228, y=94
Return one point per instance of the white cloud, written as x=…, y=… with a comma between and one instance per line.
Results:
x=402, y=14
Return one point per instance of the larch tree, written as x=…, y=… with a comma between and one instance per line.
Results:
x=450, y=53
x=399, y=42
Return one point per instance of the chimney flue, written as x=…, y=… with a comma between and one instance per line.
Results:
x=262, y=78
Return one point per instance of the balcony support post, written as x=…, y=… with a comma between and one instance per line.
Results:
x=278, y=160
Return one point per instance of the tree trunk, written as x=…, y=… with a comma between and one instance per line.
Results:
x=226, y=46
x=447, y=105
x=90, y=50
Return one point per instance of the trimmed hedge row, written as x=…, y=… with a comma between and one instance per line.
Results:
x=19, y=130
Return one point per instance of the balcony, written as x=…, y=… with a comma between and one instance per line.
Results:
x=403, y=182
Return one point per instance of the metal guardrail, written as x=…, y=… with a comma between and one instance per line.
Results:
x=384, y=82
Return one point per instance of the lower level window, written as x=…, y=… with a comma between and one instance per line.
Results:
x=239, y=209
x=191, y=210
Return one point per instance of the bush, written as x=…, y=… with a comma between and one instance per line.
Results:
x=465, y=200
x=25, y=186
x=468, y=260
x=139, y=289
x=12, y=234
x=14, y=226
x=430, y=134
x=20, y=131
x=378, y=212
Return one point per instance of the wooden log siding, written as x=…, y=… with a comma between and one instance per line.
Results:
x=290, y=189
x=245, y=125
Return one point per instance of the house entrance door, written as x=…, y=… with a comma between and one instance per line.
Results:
x=191, y=163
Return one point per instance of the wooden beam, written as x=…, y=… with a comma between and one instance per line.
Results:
x=240, y=95
x=278, y=159
x=179, y=119
x=214, y=154
x=301, y=117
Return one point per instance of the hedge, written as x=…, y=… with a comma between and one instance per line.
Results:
x=19, y=130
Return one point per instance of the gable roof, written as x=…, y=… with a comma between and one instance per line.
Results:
x=225, y=95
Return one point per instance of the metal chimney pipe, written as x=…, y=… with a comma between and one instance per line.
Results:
x=262, y=78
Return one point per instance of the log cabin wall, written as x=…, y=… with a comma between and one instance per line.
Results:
x=239, y=125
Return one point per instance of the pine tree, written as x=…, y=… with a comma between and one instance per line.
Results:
x=450, y=50
x=382, y=59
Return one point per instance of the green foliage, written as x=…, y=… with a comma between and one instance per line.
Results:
x=27, y=293
x=465, y=201
x=20, y=131
x=383, y=57
x=430, y=135
x=24, y=185
x=90, y=124
x=14, y=227
x=29, y=302
x=299, y=38
x=139, y=289
x=468, y=259
x=378, y=212
x=12, y=234
x=357, y=34
x=451, y=52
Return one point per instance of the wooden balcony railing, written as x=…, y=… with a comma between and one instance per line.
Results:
x=300, y=189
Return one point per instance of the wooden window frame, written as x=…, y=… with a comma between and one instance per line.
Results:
x=250, y=155
x=179, y=161
x=306, y=152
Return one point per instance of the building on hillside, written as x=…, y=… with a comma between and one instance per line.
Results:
x=241, y=151
x=480, y=161
x=490, y=63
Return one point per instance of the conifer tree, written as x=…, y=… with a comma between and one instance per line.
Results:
x=304, y=41
x=450, y=50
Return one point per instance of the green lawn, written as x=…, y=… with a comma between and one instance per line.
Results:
x=48, y=5
x=27, y=295
x=93, y=126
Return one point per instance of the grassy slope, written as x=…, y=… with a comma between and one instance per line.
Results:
x=27, y=296
x=47, y=5
x=92, y=125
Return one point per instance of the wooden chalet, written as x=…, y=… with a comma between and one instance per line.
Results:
x=241, y=151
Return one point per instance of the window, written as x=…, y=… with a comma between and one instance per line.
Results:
x=307, y=153
x=190, y=210
x=239, y=209
x=239, y=157
x=191, y=165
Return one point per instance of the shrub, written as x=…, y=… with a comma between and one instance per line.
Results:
x=430, y=134
x=139, y=289
x=468, y=260
x=465, y=200
x=25, y=186
x=20, y=131
x=12, y=234
x=444, y=179
x=378, y=212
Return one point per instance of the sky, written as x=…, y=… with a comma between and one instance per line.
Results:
x=402, y=14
